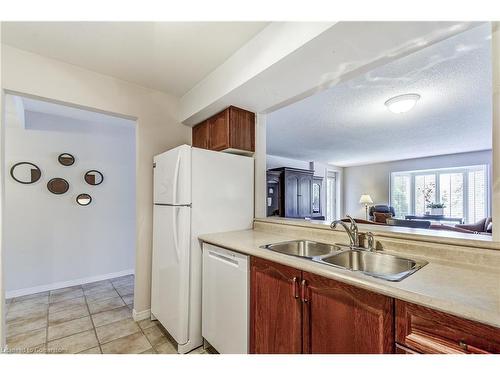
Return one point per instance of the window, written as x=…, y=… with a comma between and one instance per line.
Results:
x=331, y=195
x=463, y=191
x=424, y=191
x=400, y=192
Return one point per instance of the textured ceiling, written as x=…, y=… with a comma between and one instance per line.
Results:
x=348, y=124
x=168, y=56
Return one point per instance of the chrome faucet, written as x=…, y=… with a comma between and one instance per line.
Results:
x=371, y=241
x=352, y=230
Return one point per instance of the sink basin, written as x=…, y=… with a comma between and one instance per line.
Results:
x=384, y=266
x=303, y=248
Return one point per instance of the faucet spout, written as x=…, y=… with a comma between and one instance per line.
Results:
x=352, y=230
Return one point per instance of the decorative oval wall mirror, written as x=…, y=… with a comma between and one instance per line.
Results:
x=25, y=172
x=58, y=185
x=83, y=199
x=94, y=177
x=66, y=159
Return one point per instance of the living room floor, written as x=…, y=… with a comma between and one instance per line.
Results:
x=92, y=318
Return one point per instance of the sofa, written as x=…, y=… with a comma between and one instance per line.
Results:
x=483, y=226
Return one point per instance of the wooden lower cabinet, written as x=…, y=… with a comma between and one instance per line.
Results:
x=298, y=312
x=275, y=308
x=400, y=349
x=343, y=319
x=293, y=311
x=430, y=331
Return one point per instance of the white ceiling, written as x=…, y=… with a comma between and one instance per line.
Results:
x=168, y=56
x=348, y=124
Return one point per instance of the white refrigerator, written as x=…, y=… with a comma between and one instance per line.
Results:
x=196, y=191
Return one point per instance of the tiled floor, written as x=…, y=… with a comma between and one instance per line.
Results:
x=92, y=318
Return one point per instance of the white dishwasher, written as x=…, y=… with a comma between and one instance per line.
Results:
x=225, y=322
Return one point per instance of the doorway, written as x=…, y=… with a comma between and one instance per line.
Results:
x=70, y=224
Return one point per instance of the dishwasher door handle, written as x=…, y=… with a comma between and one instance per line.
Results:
x=224, y=258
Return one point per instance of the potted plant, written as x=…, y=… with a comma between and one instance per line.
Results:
x=428, y=192
x=436, y=208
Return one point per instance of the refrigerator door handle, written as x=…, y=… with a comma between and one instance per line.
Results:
x=176, y=178
x=176, y=240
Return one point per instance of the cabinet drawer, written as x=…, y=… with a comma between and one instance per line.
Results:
x=429, y=331
x=400, y=349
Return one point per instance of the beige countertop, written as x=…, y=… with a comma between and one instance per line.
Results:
x=468, y=292
x=427, y=235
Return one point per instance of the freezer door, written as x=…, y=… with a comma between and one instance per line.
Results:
x=170, y=269
x=172, y=176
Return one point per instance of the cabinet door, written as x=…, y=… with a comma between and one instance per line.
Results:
x=275, y=308
x=342, y=319
x=305, y=196
x=291, y=195
x=200, y=135
x=219, y=131
x=241, y=129
x=430, y=331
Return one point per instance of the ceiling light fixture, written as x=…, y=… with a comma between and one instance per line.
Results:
x=402, y=103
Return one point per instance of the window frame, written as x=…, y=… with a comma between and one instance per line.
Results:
x=437, y=172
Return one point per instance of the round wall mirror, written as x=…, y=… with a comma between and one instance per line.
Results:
x=83, y=199
x=66, y=159
x=58, y=185
x=25, y=172
x=94, y=177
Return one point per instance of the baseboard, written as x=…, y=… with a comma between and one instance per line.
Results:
x=141, y=315
x=65, y=284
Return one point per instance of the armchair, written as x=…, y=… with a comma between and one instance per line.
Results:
x=381, y=208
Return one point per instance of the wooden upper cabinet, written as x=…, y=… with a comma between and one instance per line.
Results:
x=241, y=129
x=219, y=131
x=275, y=308
x=231, y=129
x=429, y=331
x=200, y=135
x=343, y=319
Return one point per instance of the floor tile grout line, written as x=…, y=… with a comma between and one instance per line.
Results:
x=90, y=329
x=92, y=322
x=138, y=325
x=63, y=337
x=76, y=287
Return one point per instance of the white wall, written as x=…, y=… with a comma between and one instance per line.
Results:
x=260, y=183
x=50, y=239
x=157, y=129
x=495, y=43
x=273, y=161
x=2, y=138
x=374, y=179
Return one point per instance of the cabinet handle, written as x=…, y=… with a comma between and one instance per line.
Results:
x=472, y=349
x=304, y=291
x=295, y=282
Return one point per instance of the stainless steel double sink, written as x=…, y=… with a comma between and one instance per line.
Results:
x=373, y=263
